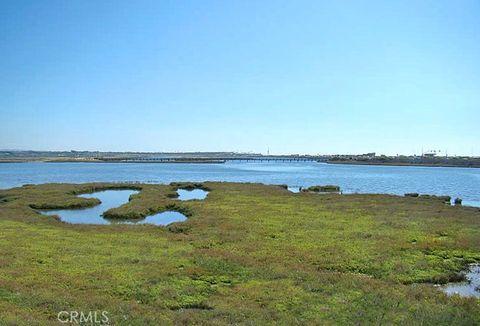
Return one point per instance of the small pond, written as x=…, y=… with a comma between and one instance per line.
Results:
x=468, y=288
x=110, y=199
x=294, y=189
x=184, y=194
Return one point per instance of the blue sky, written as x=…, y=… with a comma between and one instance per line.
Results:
x=293, y=76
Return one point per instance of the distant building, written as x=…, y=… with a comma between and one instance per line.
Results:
x=368, y=155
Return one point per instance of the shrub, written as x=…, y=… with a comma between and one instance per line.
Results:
x=325, y=188
x=184, y=210
x=411, y=194
x=445, y=199
x=189, y=186
x=172, y=195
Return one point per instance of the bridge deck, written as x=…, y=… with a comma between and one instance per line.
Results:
x=211, y=159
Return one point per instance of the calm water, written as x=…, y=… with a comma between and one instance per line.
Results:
x=456, y=182
x=470, y=288
x=111, y=199
x=184, y=194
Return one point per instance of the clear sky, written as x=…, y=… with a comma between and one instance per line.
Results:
x=293, y=76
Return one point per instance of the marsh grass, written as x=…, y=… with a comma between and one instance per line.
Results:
x=248, y=254
x=445, y=199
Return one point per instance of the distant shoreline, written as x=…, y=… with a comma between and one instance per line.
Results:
x=440, y=165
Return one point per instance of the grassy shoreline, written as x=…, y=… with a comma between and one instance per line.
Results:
x=248, y=254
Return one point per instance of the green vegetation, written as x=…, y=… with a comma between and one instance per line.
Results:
x=444, y=199
x=249, y=254
x=326, y=188
x=189, y=186
x=458, y=201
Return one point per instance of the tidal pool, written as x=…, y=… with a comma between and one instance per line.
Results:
x=184, y=194
x=294, y=189
x=110, y=199
x=468, y=288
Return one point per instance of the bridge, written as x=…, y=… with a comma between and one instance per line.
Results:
x=256, y=158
